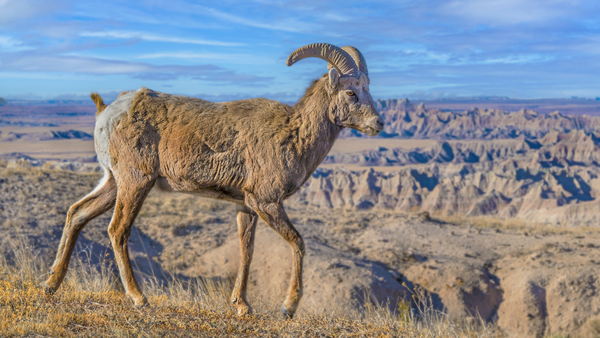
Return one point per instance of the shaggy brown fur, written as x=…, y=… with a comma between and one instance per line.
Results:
x=255, y=153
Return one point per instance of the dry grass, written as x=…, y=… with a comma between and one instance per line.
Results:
x=91, y=303
x=91, y=300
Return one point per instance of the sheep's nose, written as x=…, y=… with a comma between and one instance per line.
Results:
x=379, y=124
x=375, y=123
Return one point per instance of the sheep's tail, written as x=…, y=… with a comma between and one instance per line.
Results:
x=99, y=102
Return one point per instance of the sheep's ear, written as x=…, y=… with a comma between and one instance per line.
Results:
x=334, y=77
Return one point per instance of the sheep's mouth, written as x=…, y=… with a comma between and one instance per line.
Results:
x=372, y=131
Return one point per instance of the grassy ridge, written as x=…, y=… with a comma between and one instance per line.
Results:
x=91, y=303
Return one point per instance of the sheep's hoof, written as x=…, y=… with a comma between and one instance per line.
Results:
x=286, y=314
x=49, y=291
x=242, y=306
x=243, y=310
x=140, y=303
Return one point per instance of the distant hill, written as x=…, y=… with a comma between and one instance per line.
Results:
x=46, y=136
x=87, y=103
x=403, y=119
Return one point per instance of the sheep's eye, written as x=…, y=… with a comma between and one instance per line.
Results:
x=350, y=93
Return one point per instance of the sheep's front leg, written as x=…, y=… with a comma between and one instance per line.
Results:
x=246, y=219
x=276, y=217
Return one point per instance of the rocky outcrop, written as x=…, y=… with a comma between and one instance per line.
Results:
x=554, y=149
x=551, y=180
x=335, y=277
x=406, y=120
x=546, y=293
x=443, y=152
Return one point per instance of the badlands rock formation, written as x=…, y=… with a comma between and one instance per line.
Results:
x=45, y=136
x=553, y=179
x=403, y=119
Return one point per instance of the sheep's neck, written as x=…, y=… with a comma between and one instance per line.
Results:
x=316, y=133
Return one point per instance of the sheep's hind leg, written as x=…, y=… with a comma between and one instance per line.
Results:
x=246, y=219
x=275, y=216
x=91, y=206
x=129, y=203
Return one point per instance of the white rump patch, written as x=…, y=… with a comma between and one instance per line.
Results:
x=106, y=123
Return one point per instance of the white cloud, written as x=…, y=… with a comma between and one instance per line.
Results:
x=72, y=64
x=157, y=38
x=290, y=25
x=18, y=10
x=229, y=58
x=10, y=44
x=517, y=59
x=509, y=12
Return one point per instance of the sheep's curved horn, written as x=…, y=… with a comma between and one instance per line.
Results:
x=358, y=58
x=337, y=57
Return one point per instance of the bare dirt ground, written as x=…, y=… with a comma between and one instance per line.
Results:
x=351, y=145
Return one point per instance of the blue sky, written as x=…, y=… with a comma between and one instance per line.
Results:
x=224, y=50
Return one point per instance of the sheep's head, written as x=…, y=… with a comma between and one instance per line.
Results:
x=352, y=105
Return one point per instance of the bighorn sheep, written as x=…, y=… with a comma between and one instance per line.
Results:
x=255, y=153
